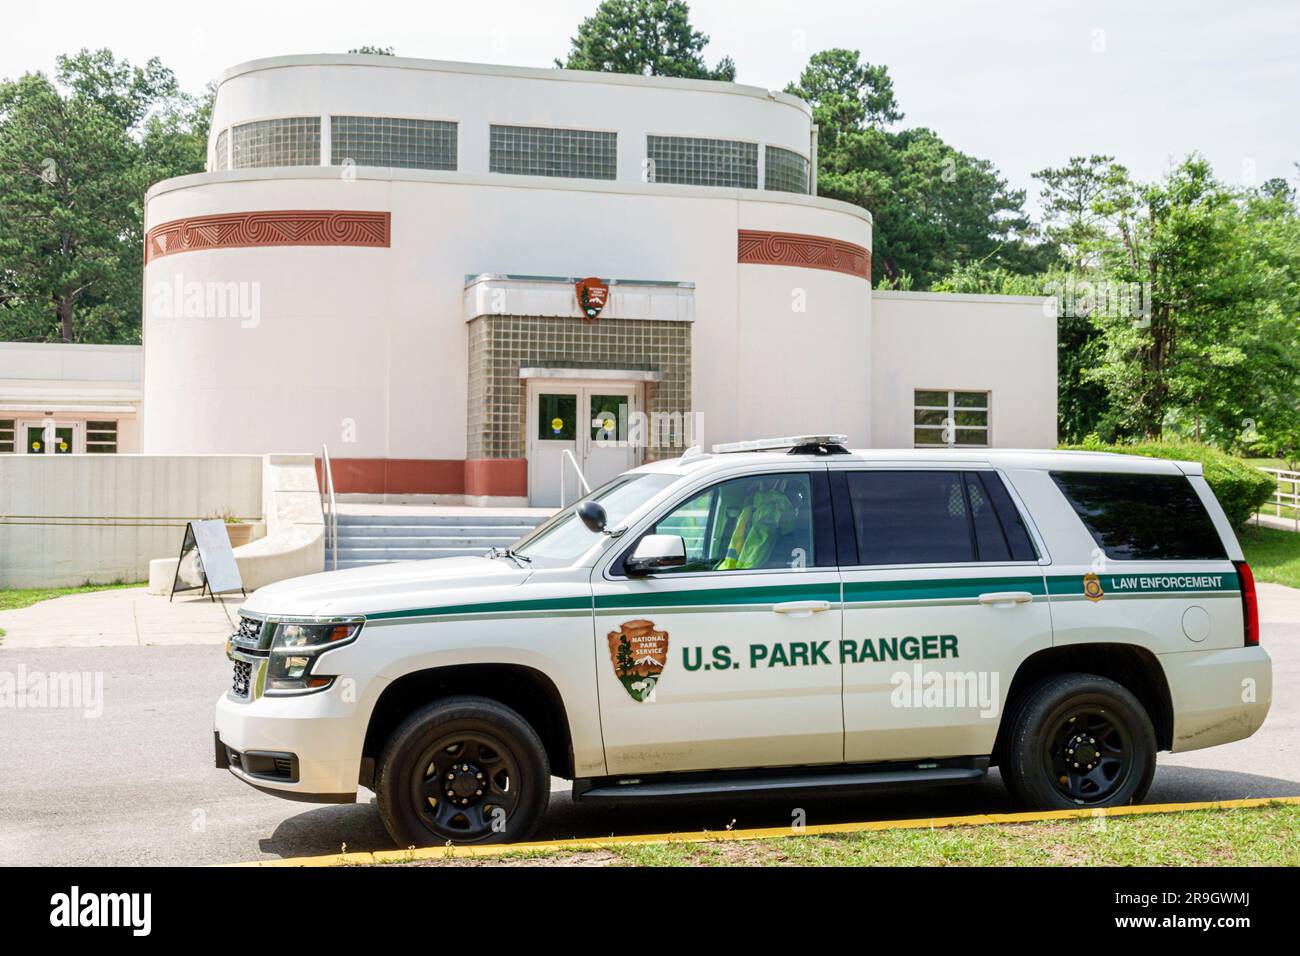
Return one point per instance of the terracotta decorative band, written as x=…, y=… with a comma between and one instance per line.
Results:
x=287, y=227
x=756, y=246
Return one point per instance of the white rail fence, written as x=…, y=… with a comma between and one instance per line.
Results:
x=1286, y=495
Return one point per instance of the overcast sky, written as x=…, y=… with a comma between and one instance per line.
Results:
x=1025, y=83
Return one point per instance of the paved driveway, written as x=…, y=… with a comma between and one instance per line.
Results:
x=136, y=784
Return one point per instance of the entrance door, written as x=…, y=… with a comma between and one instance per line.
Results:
x=588, y=421
x=49, y=437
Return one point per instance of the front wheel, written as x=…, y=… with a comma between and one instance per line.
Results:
x=1079, y=740
x=462, y=770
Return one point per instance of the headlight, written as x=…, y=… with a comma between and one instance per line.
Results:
x=295, y=649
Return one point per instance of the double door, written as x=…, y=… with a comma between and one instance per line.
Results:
x=578, y=426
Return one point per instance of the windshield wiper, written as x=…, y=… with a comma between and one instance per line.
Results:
x=519, y=559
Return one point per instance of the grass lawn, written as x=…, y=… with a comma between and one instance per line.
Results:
x=1257, y=836
x=1273, y=555
x=25, y=597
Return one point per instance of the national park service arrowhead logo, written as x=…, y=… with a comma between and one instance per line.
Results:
x=638, y=653
x=1092, y=588
x=593, y=293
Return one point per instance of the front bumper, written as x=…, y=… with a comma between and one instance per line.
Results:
x=1218, y=695
x=305, y=748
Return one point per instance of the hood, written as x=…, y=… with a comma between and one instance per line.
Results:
x=385, y=587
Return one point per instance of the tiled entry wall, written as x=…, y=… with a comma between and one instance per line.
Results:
x=500, y=345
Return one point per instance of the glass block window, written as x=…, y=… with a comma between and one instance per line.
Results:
x=539, y=151
x=389, y=141
x=784, y=171
x=294, y=141
x=702, y=162
x=6, y=436
x=949, y=419
x=101, y=438
x=223, y=155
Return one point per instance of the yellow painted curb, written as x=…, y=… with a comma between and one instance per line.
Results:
x=768, y=833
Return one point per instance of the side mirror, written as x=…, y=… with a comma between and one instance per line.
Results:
x=592, y=514
x=655, y=552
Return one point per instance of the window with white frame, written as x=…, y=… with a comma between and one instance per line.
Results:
x=101, y=438
x=951, y=419
x=7, y=435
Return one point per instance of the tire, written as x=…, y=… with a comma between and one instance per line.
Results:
x=1078, y=716
x=482, y=753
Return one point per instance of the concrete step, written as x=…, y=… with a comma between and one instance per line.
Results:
x=405, y=554
x=440, y=521
x=509, y=531
x=424, y=541
x=353, y=563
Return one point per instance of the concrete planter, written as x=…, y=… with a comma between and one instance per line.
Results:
x=240, y=533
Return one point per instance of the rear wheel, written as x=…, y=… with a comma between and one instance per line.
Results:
x=462, y=770
x=1079, y=740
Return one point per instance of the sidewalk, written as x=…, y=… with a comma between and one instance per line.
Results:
x=1273, y=521
x=126, y=617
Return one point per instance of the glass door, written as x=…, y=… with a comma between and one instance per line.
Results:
x=49, y=438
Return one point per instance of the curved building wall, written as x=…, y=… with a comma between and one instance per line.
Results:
x=290, y=307
x=376, y=335
x=474, y=98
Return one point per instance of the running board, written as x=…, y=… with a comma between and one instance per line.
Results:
x=740, y=782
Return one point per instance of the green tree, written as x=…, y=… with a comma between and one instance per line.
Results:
x=625, y=660
x=1069, y=200
x=1221, y=272
x=846, y=95
x=76, y=155
x=646, y=38
x=934, y=208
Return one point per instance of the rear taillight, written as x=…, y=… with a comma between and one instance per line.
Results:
x=1249, y=603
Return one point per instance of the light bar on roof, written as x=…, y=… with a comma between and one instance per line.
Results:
x=775, y=444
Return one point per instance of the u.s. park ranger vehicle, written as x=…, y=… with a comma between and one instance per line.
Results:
x=784, y=615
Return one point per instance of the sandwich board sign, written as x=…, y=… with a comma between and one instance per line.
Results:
x=207, y=561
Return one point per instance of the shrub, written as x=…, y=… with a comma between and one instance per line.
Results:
x=1240, y=487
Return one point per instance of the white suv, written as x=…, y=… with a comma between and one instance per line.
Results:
x=795, y=617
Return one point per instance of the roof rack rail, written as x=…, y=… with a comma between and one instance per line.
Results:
x=797, y=445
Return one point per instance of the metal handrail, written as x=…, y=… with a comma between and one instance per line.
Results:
x=568, y=455
x=330, y=510
x=1292, y=478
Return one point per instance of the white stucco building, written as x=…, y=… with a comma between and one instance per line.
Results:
x=383, y=258
x=61, y=399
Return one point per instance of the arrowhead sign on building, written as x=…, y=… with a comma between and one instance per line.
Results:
x=593, y=293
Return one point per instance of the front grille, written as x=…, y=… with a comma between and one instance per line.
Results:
x=242, y=679
x=249, y=632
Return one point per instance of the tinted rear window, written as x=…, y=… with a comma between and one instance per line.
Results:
x=935, y=517
x=1142, y=517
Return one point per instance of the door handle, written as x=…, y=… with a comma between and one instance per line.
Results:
x=801, y=608
x=1006, y=598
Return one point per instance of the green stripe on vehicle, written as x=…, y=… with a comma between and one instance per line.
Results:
x=721, y=597
x=855, y=593
x=1068, y=585
x=491, y=607
x=931, y=590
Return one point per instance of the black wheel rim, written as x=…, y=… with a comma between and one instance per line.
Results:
x=1088, y=755
x=465, y=786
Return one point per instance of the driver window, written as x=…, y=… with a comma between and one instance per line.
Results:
x=764, y=522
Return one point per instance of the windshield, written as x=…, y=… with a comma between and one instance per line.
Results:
x=563, y=539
